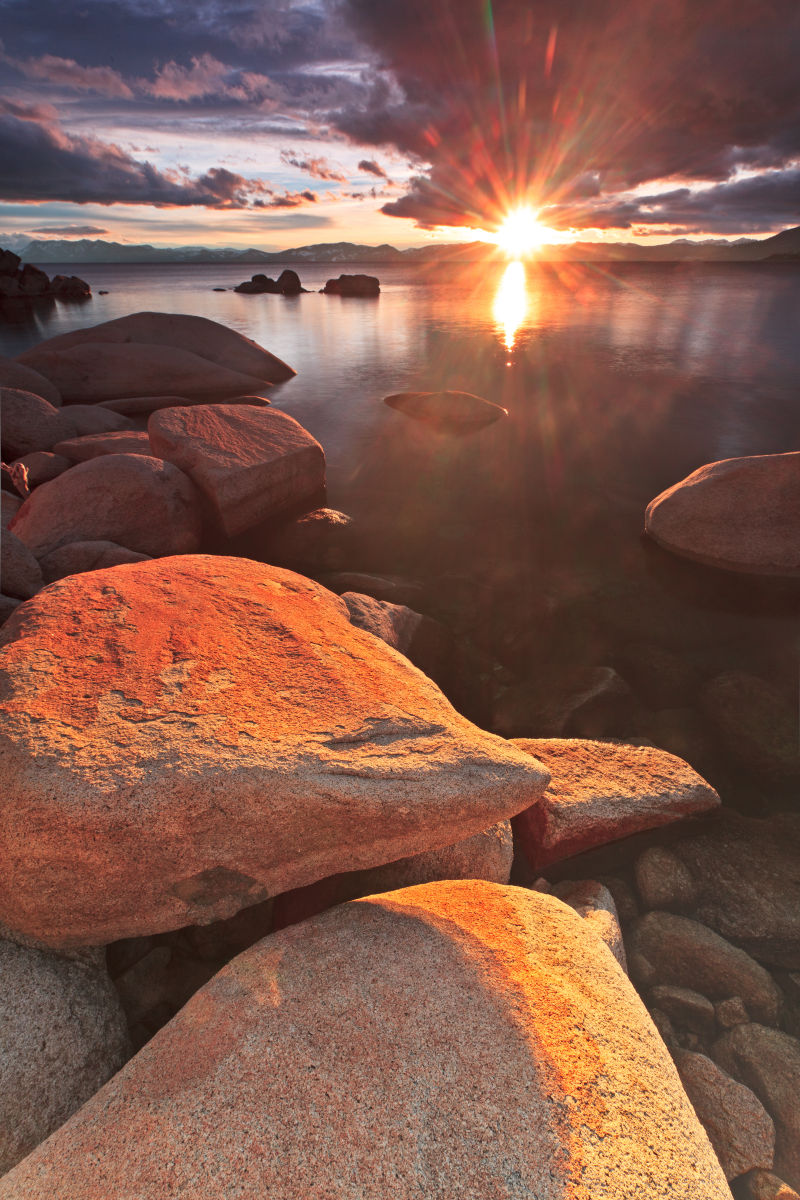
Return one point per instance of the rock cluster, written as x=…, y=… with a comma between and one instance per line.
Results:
x=22, y=283
x=287, y=284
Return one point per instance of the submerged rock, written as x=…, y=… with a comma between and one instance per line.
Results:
x=210, y=732
x=454, y=1039
x=448, y=412
x=740, y=514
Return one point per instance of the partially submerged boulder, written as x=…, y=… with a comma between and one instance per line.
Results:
x=740, y=514
x=209, y=732
x=600, y=792
x=454, y=1039
x=448, y=412
x=63, y=1036
x=251, y=463
x=353, y=285
x=198, y=335
x=141, y=503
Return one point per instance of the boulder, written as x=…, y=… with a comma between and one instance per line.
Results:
x=663, y=881
x=141, y=503
x=141, y=406
x=487, y=855
x=27, y=423
x=755, y=723
x=10, y=506
x=15, y=374
x=353, y=285
x=77, y=557
x=258, y=285
x=447, y=412
x=82, y=420
x=289, y=283
x=33, y=282
x=593, y=702
x=687, y=954
x=9, y=262
x=595, y=904
x=600, y=792
x=321, y=540
x=8, y=606
x=740, y=514
x=19, y=571
x=739, y=1127
x=685, y=1008
x=195, y=335
x=392, y=588
x=745, y=870
x=40, y=466
x=210, y=732
x=250, y=463
x=768, y=1062
x=94, y=445
x=427, y=643
x=92, y=371
x=70, y=287
x=64, y=1035
x=763, y=1185
x=397, y=1046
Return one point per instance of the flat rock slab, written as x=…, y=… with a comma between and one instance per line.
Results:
x=63, y=1035
x=92, y=371
x=740, y=514
x=448, y=412
x=748, y=881
x=450, y=1040
x=251, y=463
x=188, y=736
x=93, y=445
x=600, y=792
x=141, y=503
x=197, y=335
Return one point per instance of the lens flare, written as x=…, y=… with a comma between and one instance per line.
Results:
x=511, y=302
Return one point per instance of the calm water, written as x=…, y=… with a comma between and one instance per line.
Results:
x=618, y=380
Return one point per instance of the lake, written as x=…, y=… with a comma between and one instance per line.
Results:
x=619, y=380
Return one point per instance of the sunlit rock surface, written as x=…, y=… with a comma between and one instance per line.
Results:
x=187, y=736
x=198, y=335
x=450, y=1040
x=741, y=514
x=251, y=463
x=600, y=792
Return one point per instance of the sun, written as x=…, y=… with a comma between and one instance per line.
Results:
x=521, y=233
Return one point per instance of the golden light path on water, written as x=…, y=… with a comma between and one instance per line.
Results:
x=511, y=302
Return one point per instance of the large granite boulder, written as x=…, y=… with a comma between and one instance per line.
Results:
x=92, y=371
x=141, y=503
x=41, y=466
x=600, y=792
x=250, y=463
x=740, y=1128
x=211, y=731
x=27, y=423
x=448, y=412
x=15, y=374
x=198, y=335
x=63, y=1035
x=688, y=954
x=455, y=1039
x=740, y=514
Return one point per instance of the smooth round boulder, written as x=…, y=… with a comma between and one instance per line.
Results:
x=448, y=412
x=15, y=374
x=62, y=1035
x=209, y=732
x=27, y=423
x=739, y=514
x=141, y=503
x=20, y=573
x=450, y=1040
x=198, y=335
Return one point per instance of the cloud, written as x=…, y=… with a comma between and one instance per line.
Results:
x=42, y=162
x=207, y=76
x=287, y=200
x=372, y=168
x=542, y=100
x=317, y=168
x=65, y=71
x=69, y=230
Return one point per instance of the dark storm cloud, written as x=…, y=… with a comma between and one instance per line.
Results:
x=317, y=168
x=546, y=99
x=42, y=162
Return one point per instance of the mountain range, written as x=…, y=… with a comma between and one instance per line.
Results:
x=782, y=246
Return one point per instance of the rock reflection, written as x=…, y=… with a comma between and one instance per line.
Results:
x=511, y=302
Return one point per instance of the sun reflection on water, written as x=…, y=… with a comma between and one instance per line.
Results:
x=511, y=302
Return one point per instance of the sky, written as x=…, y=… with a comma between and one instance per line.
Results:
x=278, y=123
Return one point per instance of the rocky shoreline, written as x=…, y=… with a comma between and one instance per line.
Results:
x=296, y=862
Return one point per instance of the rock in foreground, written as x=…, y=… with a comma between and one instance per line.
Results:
x=251, y=463
x=450, y=1040
x=740, y=514
x=448, y=412
x=211, y=731
x=600, y=792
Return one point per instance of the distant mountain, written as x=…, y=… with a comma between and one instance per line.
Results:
x=43, y=251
